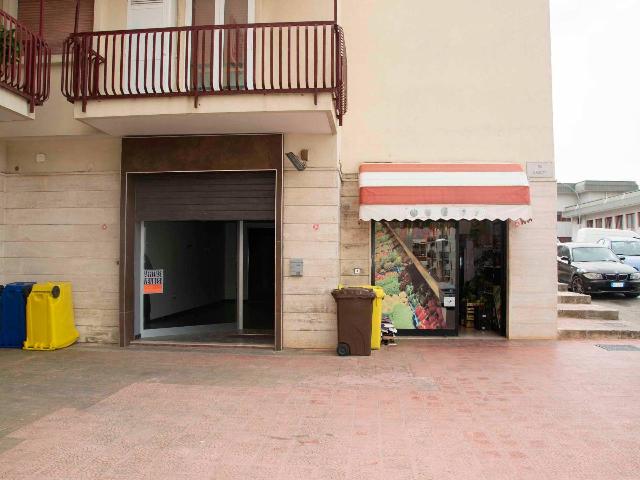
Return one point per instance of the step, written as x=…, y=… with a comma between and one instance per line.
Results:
x=563, y=287
x=573, y=298
x=587, y=312
x=588, y=334
x=575, y=329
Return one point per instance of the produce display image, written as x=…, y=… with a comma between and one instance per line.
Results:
x=410, y=265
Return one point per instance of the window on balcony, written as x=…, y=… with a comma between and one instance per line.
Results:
x=59, y=19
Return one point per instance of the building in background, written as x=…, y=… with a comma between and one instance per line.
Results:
x=575, y=199
x=620, y=211
x=196, y=174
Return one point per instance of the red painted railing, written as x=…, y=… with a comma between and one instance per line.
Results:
x=25, y=61
x=301, y=57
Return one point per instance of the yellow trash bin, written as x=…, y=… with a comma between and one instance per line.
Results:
x=376, y=316
x=50, y=321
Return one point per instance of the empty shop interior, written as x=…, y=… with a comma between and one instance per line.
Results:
x=217, y=281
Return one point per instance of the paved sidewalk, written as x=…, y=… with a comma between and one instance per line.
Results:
x=433, y=409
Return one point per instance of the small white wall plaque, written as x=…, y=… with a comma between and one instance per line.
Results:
x=296, y=267
x=540, y=170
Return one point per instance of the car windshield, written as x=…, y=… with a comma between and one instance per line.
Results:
x=629, y=248
x=593, y=254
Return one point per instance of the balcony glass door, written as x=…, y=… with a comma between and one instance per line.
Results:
x=231, y=49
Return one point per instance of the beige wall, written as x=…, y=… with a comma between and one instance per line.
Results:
x=300, y=10
x=54, y=118
x=3, y=169
x=10, y=6
x=532, y=269
x=62, y=223
x=3, y=166
x=112, y=14
x=355, y=236
x=455, y=81
x=311, y=216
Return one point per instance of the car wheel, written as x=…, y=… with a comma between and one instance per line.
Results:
x=632, y=295
x=577, y=285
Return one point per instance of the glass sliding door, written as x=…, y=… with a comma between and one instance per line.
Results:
x=228, y=53
x=415, y=262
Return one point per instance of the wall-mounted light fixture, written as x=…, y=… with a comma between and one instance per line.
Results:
x=299, y=162
x=41, y=158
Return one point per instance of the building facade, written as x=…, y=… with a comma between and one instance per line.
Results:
x=203, y=169
x=574, y=198
x=620, y=211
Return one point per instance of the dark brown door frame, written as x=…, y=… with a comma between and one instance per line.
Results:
x=148, y=155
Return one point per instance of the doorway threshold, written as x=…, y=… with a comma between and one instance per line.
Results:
x=194, y=344
x=463, y=335
x=216, y=338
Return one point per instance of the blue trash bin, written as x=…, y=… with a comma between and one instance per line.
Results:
x=13, y=317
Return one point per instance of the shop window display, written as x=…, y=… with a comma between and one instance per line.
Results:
x=414, y=263
x=441, y=276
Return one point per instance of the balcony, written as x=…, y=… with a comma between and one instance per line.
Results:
x=250, y=78
x=25, y=70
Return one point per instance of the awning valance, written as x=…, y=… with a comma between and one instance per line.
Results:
x=453, y=191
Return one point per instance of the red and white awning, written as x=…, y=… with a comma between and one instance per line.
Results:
x=454, y=191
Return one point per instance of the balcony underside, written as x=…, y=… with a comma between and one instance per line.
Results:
x=215, y=114
x=13, y=107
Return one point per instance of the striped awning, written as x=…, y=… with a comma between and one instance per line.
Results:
x=452, y=191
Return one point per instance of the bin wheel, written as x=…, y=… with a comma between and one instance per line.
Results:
x=343, y=349
x=55, y=291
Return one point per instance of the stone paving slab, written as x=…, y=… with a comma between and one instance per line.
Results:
x=437, y=409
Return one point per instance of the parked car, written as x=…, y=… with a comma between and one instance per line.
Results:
x=592, y=235
x=629, y=248
x=592, y=268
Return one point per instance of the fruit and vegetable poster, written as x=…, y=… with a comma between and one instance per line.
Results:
x=414, y=264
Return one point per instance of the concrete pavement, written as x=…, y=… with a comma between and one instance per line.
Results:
x=429, y=409
x=629, y=308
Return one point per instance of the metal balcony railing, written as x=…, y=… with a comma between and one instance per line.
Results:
x=25, y=61
x=287, y=57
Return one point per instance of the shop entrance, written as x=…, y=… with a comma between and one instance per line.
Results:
x=482, y=274
x=443, y=278
x=202, y=275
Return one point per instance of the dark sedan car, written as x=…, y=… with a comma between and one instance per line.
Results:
x=591, y=268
